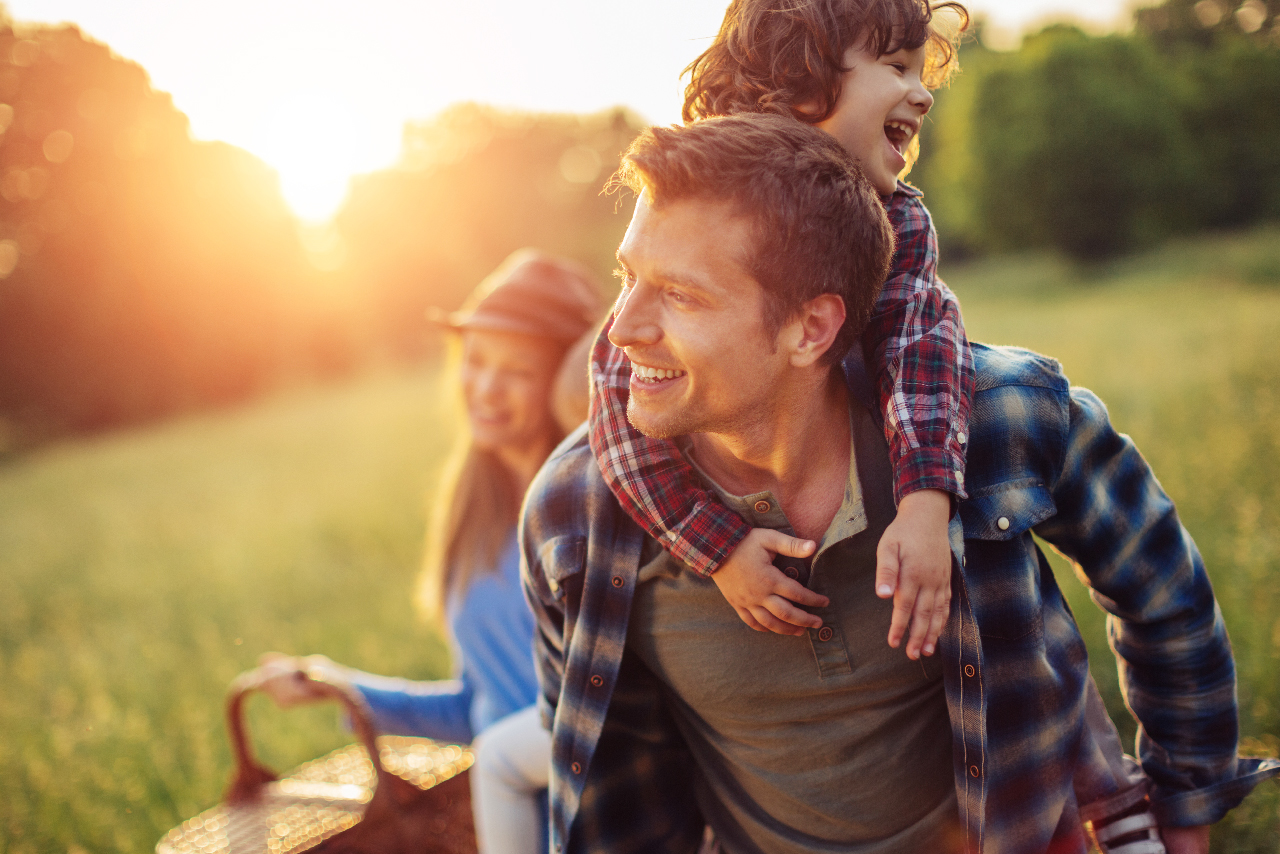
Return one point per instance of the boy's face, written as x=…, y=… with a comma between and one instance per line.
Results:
x=691, y=319
x=882, y=104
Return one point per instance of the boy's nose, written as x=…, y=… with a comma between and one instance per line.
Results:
x=921, y=98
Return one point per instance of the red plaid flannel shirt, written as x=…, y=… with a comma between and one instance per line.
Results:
x=916, y=350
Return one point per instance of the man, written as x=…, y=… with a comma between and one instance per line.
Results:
x=749, y=266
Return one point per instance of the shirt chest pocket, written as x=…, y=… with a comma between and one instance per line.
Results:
x=563, y=559
x=1002, y=563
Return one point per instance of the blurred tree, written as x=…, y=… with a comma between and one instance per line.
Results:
x=1077, y=144
x=1100, y=145
x=144, y=273
x=473, y=185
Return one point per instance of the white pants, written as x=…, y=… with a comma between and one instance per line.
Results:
x=508, y=780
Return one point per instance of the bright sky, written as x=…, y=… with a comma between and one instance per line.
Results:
x=320, y=89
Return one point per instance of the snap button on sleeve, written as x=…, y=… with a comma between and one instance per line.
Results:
x=961, y=438
x=1003, y=523
x=597, y=680
x=973, y=770
x=968, y=670
x=577, y=768
x=617, y=581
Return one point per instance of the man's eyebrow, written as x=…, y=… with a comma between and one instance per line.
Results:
x=669, y=277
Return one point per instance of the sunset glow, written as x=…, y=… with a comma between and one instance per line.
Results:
x=320, y=90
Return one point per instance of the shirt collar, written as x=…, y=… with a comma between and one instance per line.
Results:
x=762, y=509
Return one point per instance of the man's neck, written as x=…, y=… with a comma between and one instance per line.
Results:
x=798, y=449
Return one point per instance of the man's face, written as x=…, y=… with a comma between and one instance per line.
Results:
x=881, y=106
x=691, y=319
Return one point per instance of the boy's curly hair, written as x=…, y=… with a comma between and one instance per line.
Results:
x=787, y=56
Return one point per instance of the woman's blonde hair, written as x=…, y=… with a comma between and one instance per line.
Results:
x=478, y=499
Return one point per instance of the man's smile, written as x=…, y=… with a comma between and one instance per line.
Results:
x=653, y=377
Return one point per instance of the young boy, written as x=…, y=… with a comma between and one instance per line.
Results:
x=862, y=70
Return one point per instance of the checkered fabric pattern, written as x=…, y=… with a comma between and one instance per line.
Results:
x=923, y=373
x=1043, y=458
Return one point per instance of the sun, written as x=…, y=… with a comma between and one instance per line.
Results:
x=316, y=140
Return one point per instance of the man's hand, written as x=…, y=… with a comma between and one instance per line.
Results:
x=913, y=565
x=759, y=591
x=1186, y=840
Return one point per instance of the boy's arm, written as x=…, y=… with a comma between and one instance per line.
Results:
x=916, y=349
x=919, y=357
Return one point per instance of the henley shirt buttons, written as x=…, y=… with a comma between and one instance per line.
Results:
x=791, y=572
x=577, y=768
x=597, y=681
x=968, y=670
x=824, y=633
x=617, y=581
x=973, y=769
x=762, y=507
x=1003, y=523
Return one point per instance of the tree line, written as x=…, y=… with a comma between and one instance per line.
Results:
x=144, y=274
x=1097, y=146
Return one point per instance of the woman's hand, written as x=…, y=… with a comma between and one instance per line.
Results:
x=293, y=680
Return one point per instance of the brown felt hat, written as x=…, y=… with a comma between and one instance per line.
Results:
x=531, y=293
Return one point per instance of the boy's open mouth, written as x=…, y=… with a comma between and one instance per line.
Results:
x=899, y=135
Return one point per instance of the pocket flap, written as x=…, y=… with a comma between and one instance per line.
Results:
x=1007, y=511
x=562, y=557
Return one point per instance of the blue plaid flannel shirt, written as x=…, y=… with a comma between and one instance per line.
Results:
x=1042, y=457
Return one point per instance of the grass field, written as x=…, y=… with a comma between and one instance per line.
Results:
x=139, y=572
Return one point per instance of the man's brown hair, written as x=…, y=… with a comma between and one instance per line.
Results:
x=787, y=56
x=817, y=225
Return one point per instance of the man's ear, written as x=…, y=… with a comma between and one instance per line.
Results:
x=814, y=329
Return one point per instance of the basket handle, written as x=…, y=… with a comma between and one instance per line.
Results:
x=250, y=775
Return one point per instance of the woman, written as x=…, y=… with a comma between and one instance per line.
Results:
x=514, y=334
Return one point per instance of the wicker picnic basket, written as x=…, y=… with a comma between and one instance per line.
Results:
x=388, y=795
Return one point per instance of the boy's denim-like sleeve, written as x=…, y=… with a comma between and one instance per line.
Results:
x=650, y=477
x=1176, y=668
x=916, y=350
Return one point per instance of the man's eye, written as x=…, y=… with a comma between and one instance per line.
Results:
x=625, y=277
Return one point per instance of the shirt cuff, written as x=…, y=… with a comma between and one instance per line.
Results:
x=928, y=468
x=1210, y=804
x=707, y=537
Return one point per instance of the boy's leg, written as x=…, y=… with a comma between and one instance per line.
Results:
x=513, y=762
x=1111, y=787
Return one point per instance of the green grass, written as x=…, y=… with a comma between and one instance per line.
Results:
x=142, y=571
x=139, y=572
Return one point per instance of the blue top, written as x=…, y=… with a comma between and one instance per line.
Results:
x=491, y=637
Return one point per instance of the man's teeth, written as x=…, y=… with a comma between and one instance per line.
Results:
x=654, y=374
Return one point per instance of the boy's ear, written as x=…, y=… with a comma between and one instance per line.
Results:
x=813, y=330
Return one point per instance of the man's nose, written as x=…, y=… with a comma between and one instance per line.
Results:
x=633, y=321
